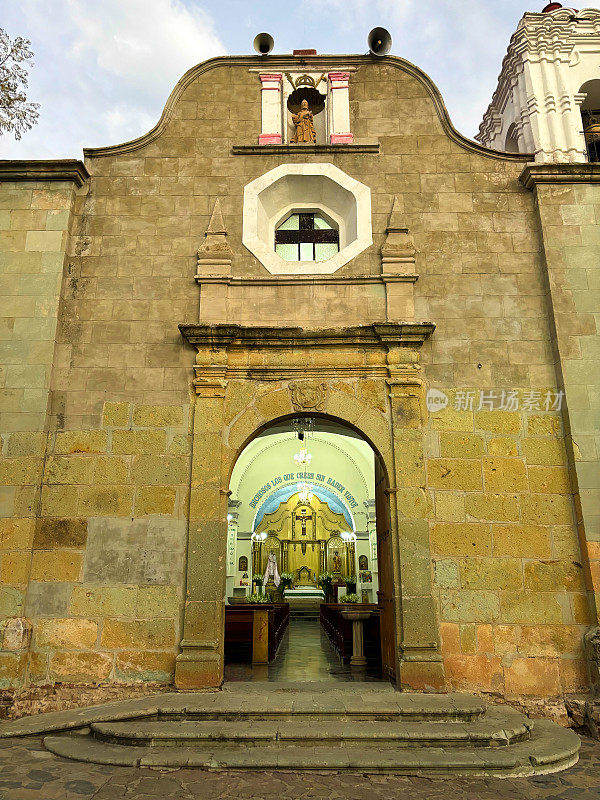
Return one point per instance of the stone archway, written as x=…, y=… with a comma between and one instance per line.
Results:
x=366, y=377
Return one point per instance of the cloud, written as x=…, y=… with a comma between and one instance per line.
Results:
x=459, y=44
x=103, y=70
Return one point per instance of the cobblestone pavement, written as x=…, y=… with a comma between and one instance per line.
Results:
x=28, y=772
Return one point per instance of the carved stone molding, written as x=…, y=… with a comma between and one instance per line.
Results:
x=215, y=255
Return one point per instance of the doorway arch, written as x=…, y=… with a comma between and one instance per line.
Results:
x=348, y=481
x=367, y=378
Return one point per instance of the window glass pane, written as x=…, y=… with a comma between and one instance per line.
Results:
x=306, y=251
x=321, y=224
x=325, y=251
x=289, y=252
x=291, y=223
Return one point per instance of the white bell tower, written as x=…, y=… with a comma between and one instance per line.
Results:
x=548, y=97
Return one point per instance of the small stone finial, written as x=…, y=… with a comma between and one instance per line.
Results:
x=398, y=251
x=215, y=255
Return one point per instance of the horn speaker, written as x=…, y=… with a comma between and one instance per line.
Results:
x=379, y=41
x=263, y=43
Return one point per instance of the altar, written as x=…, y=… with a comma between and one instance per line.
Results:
x=303, y=592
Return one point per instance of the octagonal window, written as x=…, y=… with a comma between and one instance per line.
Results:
x=306, y=219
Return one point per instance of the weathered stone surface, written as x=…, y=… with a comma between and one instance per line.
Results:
x=59, y=533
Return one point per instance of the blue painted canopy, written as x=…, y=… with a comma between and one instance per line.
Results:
x=285, y=492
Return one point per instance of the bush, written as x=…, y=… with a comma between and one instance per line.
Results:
x=259, y=598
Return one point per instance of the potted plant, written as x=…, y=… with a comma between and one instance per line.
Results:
x=257, y=582
x=325, y=582
x=287, y=581
x=351, y=585
x=350, y=598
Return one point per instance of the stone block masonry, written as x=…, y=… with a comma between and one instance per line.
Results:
x=103, y=400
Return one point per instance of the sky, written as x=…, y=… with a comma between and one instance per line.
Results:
x=103, y=69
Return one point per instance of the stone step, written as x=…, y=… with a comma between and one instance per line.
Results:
x=499, y=727
x=550, y=749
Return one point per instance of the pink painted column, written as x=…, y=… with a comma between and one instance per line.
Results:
x=271, y=108
x=340, y=108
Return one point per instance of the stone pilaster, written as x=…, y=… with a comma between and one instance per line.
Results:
x=271, y=132
x=339, y=114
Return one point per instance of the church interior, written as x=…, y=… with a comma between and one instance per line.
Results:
x=302, y=532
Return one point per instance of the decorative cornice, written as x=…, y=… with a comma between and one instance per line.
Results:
x=534, y=174
x=312, y=280
x=67, y=169
x=304, y=149
x=244, y=337
x=309, y=63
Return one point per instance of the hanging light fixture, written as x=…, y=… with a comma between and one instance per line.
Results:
x=303, y=428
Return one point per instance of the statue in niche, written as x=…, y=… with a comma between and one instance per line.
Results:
x=305, y=129
x=337, y=562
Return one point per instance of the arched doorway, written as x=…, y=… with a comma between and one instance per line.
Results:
x=309, y=493
x=367, y=378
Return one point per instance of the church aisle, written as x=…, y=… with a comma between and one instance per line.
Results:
x=305, y=654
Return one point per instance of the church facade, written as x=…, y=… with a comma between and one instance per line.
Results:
x=245, y=266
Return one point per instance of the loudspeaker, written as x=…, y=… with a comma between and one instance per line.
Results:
x=379, y=41
x=263, y=43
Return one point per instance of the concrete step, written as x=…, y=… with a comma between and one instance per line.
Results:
x=549, y=749
x=499, y=727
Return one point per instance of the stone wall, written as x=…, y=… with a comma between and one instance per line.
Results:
x=101, y=545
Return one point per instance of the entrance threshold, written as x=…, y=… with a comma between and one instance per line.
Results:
x=305, y=655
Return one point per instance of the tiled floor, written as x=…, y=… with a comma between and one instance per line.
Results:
x=305, y=654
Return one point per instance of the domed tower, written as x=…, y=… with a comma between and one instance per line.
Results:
x=548, y=97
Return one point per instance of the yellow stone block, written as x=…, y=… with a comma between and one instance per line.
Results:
x=274, y=404
x=502, y=446
x=105, y=501
x=65, y=634
x=139, y=442
x=553, y=576
x=543, y=425
x=454, y=473
x=69, y=470
x=468, y=638
x=147, y=666
x=565, y=543
x=498, y=421
x=531, y=608
x=16, y=534
x=56, y=565
x=116, y=415
x=155, y=500
x=547, y=509
x=461, y=445
x=554, y=480
x=163, y=470
x=551, y=640
x=504, y=474
x=461, y=539
x=92, y=601
x=582, y=614
x=533, y=676
x=15, y=568
x=156, y=634
x=79, y=667
x=111, y=470
x=181, y=445
x=157, y=416
x=449, y=506
x=60, y=501
x=491, y=573
x=451, y=420
x=26, y=443
x=492, y=507
x=506, y=639
x=544, y=451
x=522, y=541
x=20, y=471
x=70, y=442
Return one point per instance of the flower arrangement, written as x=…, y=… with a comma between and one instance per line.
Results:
x=351, y=585
x=259, y=598
x=349, y=598
x=326, y=583
x=287, y=581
